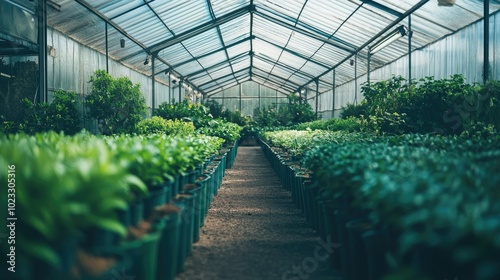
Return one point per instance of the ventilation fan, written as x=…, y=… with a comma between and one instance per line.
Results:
x=446, y=3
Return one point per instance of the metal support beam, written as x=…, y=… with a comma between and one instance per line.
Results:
x=107, y=47
x=293, y=52
x=356, y=79
x=180, y=94
x=240, y=88
x=206, y=69
x=169, y=89
x=486, y=43
x=153, y=58
x=201, y=29
x=214, y=52
x=284, y=66
x=223, y=77
x=368, y=70
x=333, y=94
x=42, y=51
x=317, y=95
x=410, y=35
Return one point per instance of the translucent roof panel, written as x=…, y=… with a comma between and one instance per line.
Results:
x=282, y=44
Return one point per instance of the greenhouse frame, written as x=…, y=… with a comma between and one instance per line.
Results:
x=250, y=53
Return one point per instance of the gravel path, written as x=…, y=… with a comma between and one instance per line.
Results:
x=254, y=231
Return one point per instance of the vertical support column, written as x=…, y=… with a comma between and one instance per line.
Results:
x=317, y=95
x=486, y=51
x=169, y=88
x=107, y=47
x=42, y=51
x=260, y=102
x=180, y=87
x=410, y=35
x=333, y=94
x=153, y=57
x=240, y=95
x=356, y=79
x=368, y=65
x=276, y=99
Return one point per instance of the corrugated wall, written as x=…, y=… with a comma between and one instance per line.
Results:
x=73, y=64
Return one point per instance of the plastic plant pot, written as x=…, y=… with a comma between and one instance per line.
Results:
x=168, y=250
x=188, y=217
x=157, y=196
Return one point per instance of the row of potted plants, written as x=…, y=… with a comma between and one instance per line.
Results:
x=411, y=206
x=83, y=200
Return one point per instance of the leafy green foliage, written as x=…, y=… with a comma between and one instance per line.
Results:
x=63, y=113
x=117, y=104
x=88, y=179
x=396, y=106
x=228, y=131
x=296, y=112
x=186, y=111
x=351, y=124
x=217, y=110
x=158, y=125
x=354, y=110
x=82, y=187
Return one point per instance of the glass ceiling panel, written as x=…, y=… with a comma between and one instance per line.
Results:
x=237, y=66
x=175, y=54
x=270, y=31
x=266, y=50
x=446, y=16
x=182, y=15
x=327, y=15
x=222, y=7
x=204, y=43
x=114, y=8
x=143, y=19
x=292, y=60
x=303, y=44
x=241, y=48
x=236, y=29
x=291, y=9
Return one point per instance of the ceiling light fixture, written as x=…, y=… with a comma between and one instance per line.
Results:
x=389, y=39
x=147, y=61
x=122, y=43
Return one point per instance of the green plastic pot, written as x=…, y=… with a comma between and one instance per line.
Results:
x=188, y=217
x=197, y=210
x=168, y=250
x=144, y=254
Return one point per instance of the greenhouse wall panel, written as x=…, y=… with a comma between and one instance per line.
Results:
x=73, y=64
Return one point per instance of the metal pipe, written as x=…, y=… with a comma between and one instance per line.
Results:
x=42, y=51
x=486, y=51
x=356, y=79
x=153, y=58
x=316, y=101
x=410, y=35
x=333, y=97
x=107, y=50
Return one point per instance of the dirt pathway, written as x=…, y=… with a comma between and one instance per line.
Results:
x=253, y=231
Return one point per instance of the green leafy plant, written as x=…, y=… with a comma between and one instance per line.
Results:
x=117, y=104
x=186, y=111
x=228, y=131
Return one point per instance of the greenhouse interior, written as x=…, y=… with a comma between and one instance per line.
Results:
x=250, y=139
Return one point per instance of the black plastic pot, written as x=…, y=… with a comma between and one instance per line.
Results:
x=376, y=248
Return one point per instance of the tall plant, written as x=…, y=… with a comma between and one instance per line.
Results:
x=116, y=103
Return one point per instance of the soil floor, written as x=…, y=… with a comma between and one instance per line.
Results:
x=254, y=231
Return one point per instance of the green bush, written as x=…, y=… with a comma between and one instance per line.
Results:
x=186, y=111
x=296, y=112
x=116, y=103
x=228, y=131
